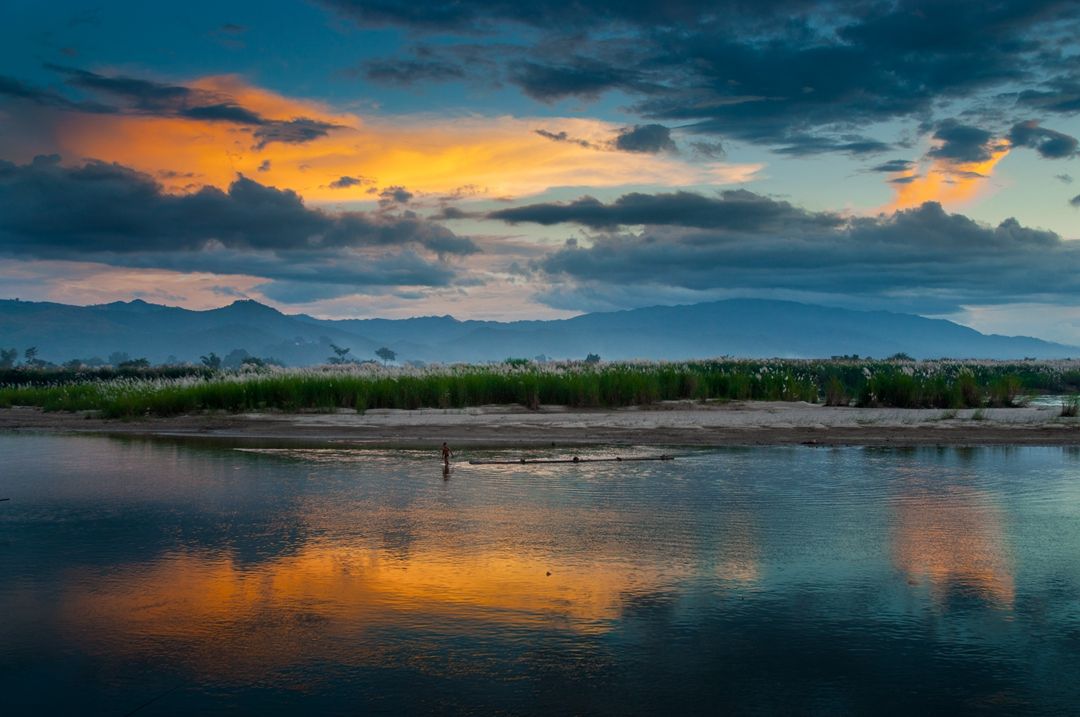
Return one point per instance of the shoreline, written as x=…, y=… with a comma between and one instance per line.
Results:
x=667, y=424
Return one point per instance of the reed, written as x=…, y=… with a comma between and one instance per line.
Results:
x=903, y=384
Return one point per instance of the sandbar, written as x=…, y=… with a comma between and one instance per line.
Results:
x=675, y=423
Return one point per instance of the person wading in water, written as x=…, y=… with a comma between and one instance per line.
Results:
x=446, y=454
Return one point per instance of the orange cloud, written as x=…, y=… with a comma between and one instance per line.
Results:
x=947, y=183
x=496, y=156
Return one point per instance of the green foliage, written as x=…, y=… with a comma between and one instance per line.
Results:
x=1070, y=407
x=212, y=362
x=138, y=390
x=592, y=358
x=386, y=354
x=340, y=355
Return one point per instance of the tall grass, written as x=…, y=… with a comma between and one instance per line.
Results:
x=940, y=384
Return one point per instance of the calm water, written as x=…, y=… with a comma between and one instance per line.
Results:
x=176, y=579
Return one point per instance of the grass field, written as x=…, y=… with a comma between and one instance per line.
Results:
x=902, y=384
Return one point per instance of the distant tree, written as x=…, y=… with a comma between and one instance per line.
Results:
x=134, y=364
x=592, y=358
x=234, y=358
x=118, y=357
x=212, y=361
x=901, y=356
x=73, y=364
x=339, y=356
x=31, y=355
x=252, y=362
x=540, y=358
x=386, y=354
x=7, y=357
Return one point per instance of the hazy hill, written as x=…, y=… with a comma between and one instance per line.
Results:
x=738, y=327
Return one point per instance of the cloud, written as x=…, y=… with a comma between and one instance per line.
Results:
x=582, y=78
x=395, y=195
x=921, y=259
x=793, y=75
x=410, y=72
x=894, y=165
x=802, y=145
x=143, y=95
x=1075, y=201
x=111, y=214
x=13, y=88
x=1047, y=142
x=1059, y=95
x=138, y=96
x=222, y=112
x=345, y=182
x=1064, y=178
x=564, y=137
x=734, y=210
x=502, y=156
x=650, y=138
x=962, y=143
x=708, y=150
x=296, y=131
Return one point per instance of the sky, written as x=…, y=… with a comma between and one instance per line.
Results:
x=510, y=160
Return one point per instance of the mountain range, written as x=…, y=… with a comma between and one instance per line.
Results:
x=736, y=327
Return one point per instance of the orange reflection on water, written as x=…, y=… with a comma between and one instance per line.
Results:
x=954, y=539
x=740, y=560
x=214, y=613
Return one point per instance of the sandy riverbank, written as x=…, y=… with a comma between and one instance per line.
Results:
x=670, y=424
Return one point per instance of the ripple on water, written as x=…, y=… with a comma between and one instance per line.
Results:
x=279, y=579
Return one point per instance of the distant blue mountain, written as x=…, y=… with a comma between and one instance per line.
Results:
x=737, y=327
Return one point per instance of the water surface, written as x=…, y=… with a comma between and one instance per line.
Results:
x=176, y=578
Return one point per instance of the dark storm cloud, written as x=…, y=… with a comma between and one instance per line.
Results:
x=51, y=211
x=1075, y=201
x=962, y=143
x=478, y=15
x=1061, y=95
x=795, y=75
x=894, y=165
x=1047, y=142
x=583, y=78
x=648, y=138
x=947, y=259
x=734, y=210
